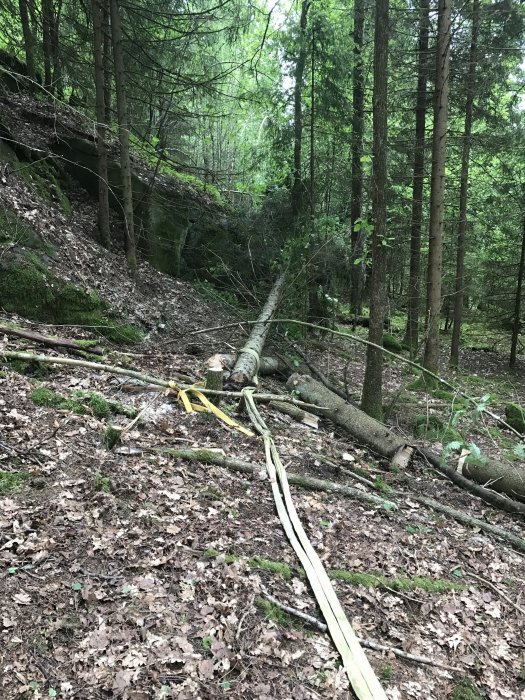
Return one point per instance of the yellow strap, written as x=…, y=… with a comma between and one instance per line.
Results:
x=207, y=407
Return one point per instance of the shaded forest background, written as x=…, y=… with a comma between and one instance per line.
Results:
x=268, y=115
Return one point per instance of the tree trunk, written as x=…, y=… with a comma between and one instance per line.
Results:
x=249, y=356
x=47, y=47
x=504, y=478
x=357, y=231
x=55, y=49
x=517, y=304
x=381, y=440
x=103, y=192
x=371, y=400
x=106, y=47
x=412, y=328
x=29, y=39
x=365, y=429
x=437, y=186
x=465, y=161
x=297, y=187
x=123, y=132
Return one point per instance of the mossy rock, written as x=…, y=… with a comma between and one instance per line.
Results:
x=28, y=288
x=391, y=343
x=15, y=231
x=515, y=417
x=434, y=429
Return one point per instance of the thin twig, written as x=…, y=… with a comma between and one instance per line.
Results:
x=368, y=643
x=497, y=590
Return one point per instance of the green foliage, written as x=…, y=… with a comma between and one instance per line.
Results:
x=386, y=673
x=391, y=343
x=466, y=690
x=273, y=612
x=275, y=567
x=81, y=402
x=431, y=427
x=11, y=482
x=111, y=436
x=399, y=583
x=101, y=482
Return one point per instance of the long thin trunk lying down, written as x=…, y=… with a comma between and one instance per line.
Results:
x=507, y=480
x=249, y=356
x=267, y=365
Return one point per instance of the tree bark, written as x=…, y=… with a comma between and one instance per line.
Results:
x=249, y=357
x=106, y=48
x=371, y=400
x=306, y=482
x=298, y=186
x=123, y=131
x=46, y=340
x=365, y=429
x=504, y=478
x=29, y=39
x=381, y=440
x=47, y=47
x=437, y=186
x=267, y=365
x=412, y=327
x=465, y=162
x=517, y=304
x=102, y=153
x=357, y=231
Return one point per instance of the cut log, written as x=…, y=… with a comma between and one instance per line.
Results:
x=267, y=365
x=385, y=443
x=51, y=342
x=366, y=430
x=505, y=478
x=248, y=361
x=297, y=413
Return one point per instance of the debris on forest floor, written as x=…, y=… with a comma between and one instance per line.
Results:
x=108, y=583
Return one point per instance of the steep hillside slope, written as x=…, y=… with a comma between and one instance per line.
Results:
x=126, y=573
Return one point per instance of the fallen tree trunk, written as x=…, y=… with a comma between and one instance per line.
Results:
x=505, y=478
x=248, y=361
x=239, y=465
x=384, y=442
x=47, y=340
x=296, y=413
x=364, y=429
x=267, y=365
x=310, y=483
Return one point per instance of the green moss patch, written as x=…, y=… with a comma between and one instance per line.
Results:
x=391, y=343
x=401, y=583
x=515, y=417
x=454, y=400
x=11, y=482
x=434, y=429
x=82, y=402
x=466, y=690
x=29, y=289
x=273, y=612
x=354, y=578
x=16, y=231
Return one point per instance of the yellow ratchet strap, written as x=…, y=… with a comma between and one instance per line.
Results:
x=207, y=407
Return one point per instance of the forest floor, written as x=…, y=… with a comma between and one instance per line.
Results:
x=111, y=586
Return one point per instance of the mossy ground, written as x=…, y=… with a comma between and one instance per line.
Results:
x=82, y=402
x=11, y=482
x=29, y=289
x=466, y=690
x=354, y=578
